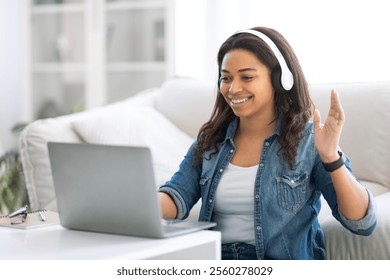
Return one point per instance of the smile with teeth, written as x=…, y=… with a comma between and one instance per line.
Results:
x=239, y=101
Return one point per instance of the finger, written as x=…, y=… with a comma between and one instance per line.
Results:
x=336, y=106
x=334, y=100
x=317, y=120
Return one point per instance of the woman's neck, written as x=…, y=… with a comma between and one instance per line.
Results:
x=259, y=127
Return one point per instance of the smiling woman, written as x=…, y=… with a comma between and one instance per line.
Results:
x=260, y=165
x=242, y=85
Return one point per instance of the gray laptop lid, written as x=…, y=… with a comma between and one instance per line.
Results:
x=108, y=189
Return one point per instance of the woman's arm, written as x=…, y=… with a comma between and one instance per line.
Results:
x=168, y=206
x=179, y=194
x=352, y=198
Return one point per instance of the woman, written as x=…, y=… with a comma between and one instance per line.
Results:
x=260, y=164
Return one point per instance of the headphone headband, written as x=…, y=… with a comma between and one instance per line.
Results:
x=287, y=79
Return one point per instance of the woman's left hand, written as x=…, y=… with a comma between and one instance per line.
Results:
x=327, y=136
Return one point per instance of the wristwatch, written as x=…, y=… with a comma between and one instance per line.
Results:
x=330, y=167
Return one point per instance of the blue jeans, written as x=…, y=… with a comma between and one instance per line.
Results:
x=238, y=251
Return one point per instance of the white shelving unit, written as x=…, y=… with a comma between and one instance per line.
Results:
x=92, y=52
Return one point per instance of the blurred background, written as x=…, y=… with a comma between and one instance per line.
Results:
x=63, y=56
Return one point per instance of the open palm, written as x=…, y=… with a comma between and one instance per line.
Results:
x=327, y=136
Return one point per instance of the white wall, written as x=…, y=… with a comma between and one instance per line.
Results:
x=335, y=40
x=10, y=78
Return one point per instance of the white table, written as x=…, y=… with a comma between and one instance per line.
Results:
x=57, y=243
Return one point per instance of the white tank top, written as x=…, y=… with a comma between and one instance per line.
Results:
x=234, y=204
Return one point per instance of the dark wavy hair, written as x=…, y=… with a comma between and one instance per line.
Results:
x=294, y=107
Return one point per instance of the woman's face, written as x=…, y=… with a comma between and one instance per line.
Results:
x=246, y=85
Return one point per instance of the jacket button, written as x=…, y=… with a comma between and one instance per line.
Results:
x=221, y=170
x=261, y=164
x=258, y=227
x=210, y=201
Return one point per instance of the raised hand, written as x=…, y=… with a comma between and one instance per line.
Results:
x=327, y=136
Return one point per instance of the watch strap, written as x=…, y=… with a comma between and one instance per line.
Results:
x=330, y=167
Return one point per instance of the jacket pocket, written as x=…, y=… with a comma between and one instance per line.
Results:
x=291, y=191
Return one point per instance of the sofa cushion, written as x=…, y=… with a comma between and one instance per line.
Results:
x=141, y=126
x=366, y=134
x=35, y=159
x=375, y=188
x=187, y=103
x=33, y=146
x=341, y=244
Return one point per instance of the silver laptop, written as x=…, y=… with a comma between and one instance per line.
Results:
x=110, y=189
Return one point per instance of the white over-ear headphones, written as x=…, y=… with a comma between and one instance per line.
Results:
x=287, y=79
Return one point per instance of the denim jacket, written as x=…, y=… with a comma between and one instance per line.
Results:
x=287, y=202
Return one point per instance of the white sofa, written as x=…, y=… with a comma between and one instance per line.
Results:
x=167, y=120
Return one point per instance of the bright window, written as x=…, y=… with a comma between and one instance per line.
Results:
x=335, y=40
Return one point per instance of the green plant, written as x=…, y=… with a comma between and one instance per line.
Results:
x=13, y=192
